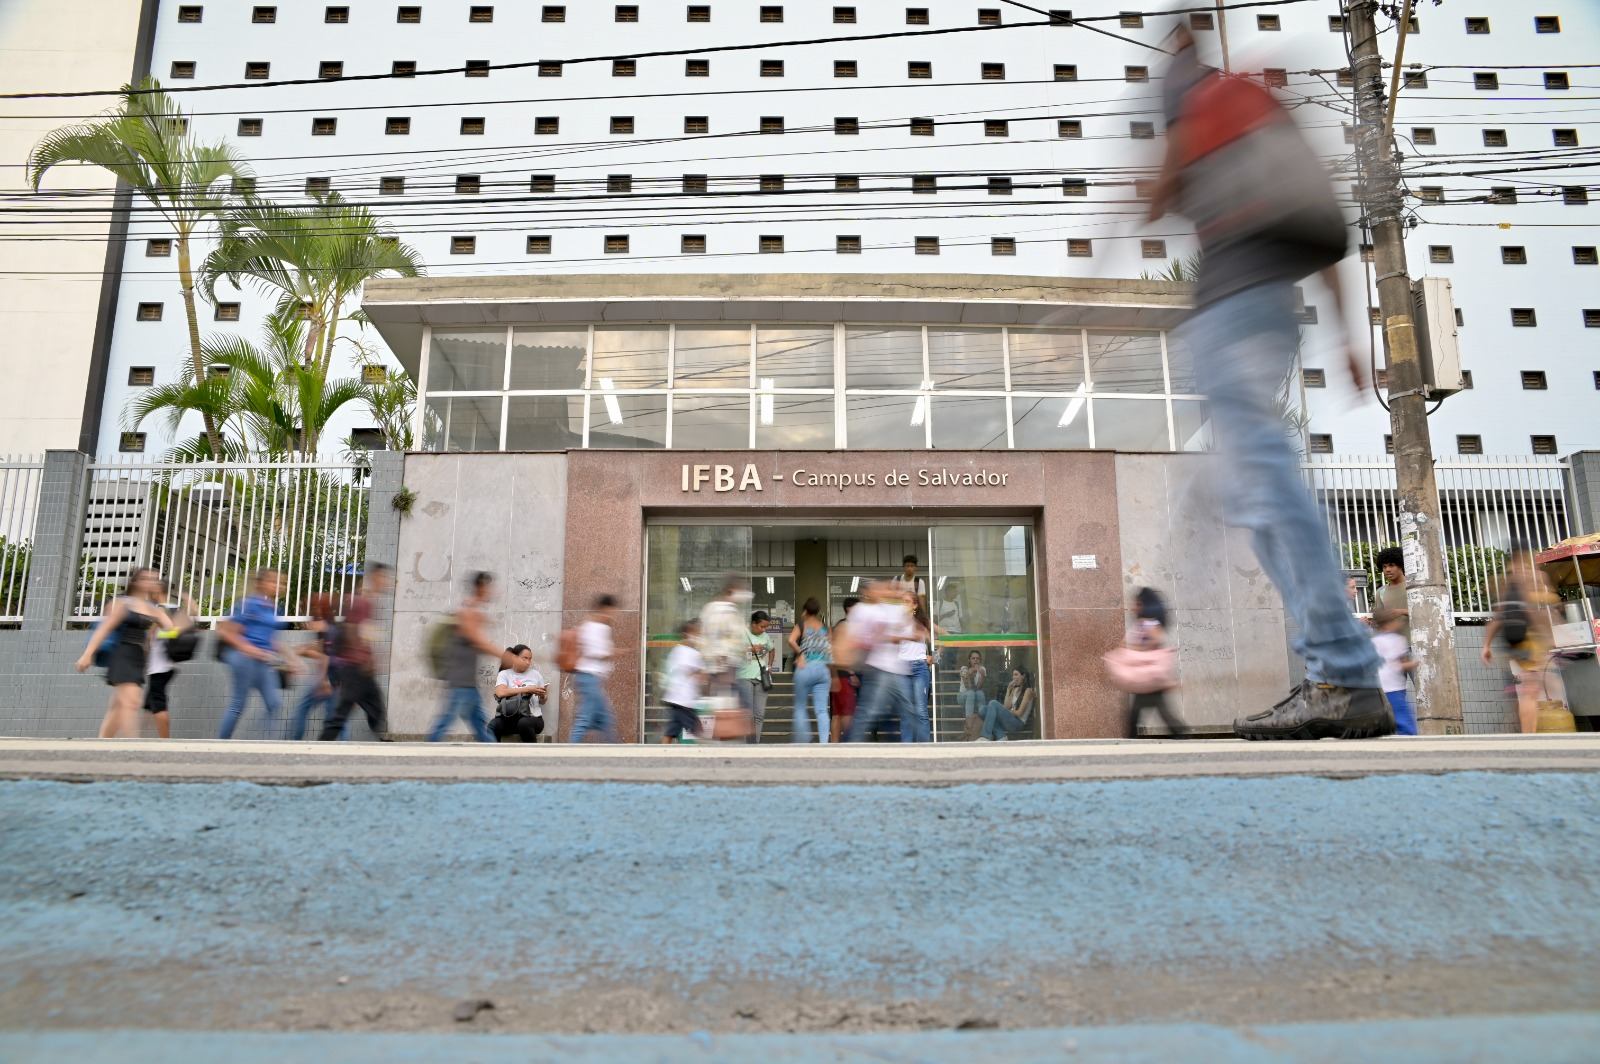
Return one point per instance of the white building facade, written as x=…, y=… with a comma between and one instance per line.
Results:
x=1012, y=149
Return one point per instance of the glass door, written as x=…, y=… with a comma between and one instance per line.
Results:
x=982, y=595
x=685, y=566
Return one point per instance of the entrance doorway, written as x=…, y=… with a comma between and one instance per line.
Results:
x=977, y=578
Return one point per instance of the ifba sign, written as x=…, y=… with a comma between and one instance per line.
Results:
x=728, y=478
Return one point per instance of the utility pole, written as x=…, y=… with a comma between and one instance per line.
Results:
x=1421, y=530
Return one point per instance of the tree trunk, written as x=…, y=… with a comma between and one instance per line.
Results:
x=186, y=280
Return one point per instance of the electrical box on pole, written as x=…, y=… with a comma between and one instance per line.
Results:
x=1440, y=354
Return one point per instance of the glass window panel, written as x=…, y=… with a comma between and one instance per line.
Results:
x=1125, y=362
x=1046, y=359
x=1192, y=423
x=1180, y=366
x=969, y=422
x=627, y=420
x=711, y=422
x=966, y=358
x=467, y=360
x=547, y=359
x=886, y=422
x=794, y=422
x=800, y=357
x=711, y=358
x=466, y=424
x=630, y=356
x=883, y=358
x=982, y=577
x=1058, y=422
x=544, y=422
x=1130, y=425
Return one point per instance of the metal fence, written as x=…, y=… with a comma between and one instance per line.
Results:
x=1486, y=504
x=207, y=526
x=19, y=512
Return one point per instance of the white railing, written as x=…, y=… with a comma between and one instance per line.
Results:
x=207, y=526
x=19, y=513
x=1486, y=504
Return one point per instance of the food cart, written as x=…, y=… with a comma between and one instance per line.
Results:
x=1573, y=566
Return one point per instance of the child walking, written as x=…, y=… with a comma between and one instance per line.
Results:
x=684, y=671
x=1392, y=647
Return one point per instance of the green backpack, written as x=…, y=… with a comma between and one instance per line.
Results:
x=440, y=639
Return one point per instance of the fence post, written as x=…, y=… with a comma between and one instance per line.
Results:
x=1583, y=491
x=58, y=531
x=383, y=543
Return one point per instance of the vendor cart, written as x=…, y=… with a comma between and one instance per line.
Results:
x=1573, y=566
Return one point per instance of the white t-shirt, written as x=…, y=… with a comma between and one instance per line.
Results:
x=914, y=649
x=916, y=583
x=949, y=616
x=683, y=682
x=881, y=623
x=531, y=678
x=1391, y=647
x=157, y=660
x=594, y=648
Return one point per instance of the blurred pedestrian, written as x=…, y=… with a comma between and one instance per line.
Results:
x=917, y=652
x=469, y=638
x=318, y=653
x=126, y=629
x=879, y=625
x=755, y=671
x=1148, y=636
x=846, y=683
x=254, y=655
x=161, y=668
x=684, y=672
x=813, y=654
x=1521, y=623
x=353, y=665
x=1266, y=216
x=722, y=639
x=594, y=666
x=519, y=693
x=1394, y=650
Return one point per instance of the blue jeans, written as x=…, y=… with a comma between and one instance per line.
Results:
x=999, y=722
x=1244, y=346
x=971, y=701
x=594, y=710
x=246, y=674
x=884, y=695
x=914, y=725
x=466, y=703
x=310, y=701
x=811, y=683
x=1405, y=719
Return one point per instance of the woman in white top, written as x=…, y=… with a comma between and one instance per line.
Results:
x=520, y=692
x=974, y=680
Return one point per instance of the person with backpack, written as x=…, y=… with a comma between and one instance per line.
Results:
x=1266, y=216
x=465, y=638
x=251, y=650
x=351, y=664
x=1521, y=623
x=120, y=644
x=591, y=671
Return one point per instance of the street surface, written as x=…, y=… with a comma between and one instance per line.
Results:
x=1018, y=890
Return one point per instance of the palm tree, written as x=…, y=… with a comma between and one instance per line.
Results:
x=145, y=143
x=313, y=258
x=265, y=396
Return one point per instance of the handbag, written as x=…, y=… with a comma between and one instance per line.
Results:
x=1143, y=672
x=764, y=675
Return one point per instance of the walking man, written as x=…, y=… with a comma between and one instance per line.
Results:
x=594, y=666
x=1238, y=168
x=351, y=666
x=252, y=653
x=880, y=625
x=462, y=698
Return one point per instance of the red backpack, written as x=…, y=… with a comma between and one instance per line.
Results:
x=567, y=651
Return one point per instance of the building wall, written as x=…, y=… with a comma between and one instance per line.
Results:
x=50, y=264
x=886, y=214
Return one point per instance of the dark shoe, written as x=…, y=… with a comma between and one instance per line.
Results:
x=1322, y=711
